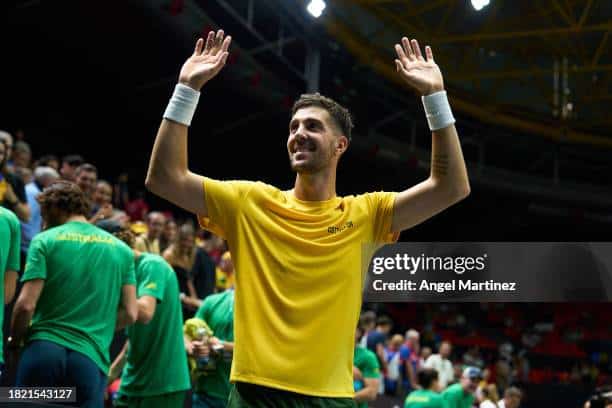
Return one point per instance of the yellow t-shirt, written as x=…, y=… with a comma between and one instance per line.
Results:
x=298, y=281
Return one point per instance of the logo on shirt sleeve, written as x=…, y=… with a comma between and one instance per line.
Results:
x=151, y=285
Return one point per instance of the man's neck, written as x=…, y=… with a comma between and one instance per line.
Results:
x=315, y=187
x=76, y=218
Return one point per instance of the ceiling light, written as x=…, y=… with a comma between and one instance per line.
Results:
x=316, y=7
x=479, y=4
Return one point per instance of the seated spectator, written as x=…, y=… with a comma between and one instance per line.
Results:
x=70, y=164
x=149, y=242
x=12, y=189
x=428, y=395
x=137, y=208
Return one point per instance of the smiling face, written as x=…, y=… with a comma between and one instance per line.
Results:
x=315, y=141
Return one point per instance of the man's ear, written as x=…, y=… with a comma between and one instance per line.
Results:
x=342, y=144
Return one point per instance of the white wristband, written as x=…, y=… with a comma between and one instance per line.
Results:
x=182, y=105
x=437, y=110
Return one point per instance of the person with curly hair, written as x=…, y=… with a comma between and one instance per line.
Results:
x=78, y=288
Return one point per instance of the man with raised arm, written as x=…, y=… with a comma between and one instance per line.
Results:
x=297, y=253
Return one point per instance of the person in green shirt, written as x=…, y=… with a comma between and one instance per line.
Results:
x=152, y=364
x=366, y=373
x=427, y=396
x=79, y=286
x=461, y=394
x=212, y=389
x=10, y=240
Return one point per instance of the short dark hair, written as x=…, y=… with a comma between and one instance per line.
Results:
x=339, y=113
x=384, y=321
x=367, y=318
x=86, y=167
x=64, y=196
x=426, y=377
x=73, y=160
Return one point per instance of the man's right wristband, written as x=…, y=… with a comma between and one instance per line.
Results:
x=182, y=105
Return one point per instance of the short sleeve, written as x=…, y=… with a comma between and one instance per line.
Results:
x=204, y=309
x=370, y=368
x=153, y=281
x=36, y=262
x=13, y=263
x=380, y=208
x=128, y=274
x=223, y=202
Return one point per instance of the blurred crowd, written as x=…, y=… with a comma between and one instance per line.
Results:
x=200, y=259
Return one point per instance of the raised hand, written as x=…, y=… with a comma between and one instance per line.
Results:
x=421, y=74
x=206, y=60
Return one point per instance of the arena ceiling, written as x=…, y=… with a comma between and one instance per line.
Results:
x=541, y=66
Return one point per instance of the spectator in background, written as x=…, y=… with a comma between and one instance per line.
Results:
x=461, y=394
x=43, y=177
x=425, y=353
x=22, y=155
x=12, y=189
x=394, y=364
x=168, y=235
x=7, y=139
x=366, y=373
x=149, y=242
x=24, y=174
x=184, y=257
x=70, y=164
x=10, y=237
x=122, y=195
x=512, y=398
x=213, y=245
x=410, y=360
x=101, y=206
x=225, y=273
x=428, y=395
x=78, y=289
x=441, y=363
x=473, y=357
x=86, y=177
x=161, y=381
x=376, y=339
x=212, y=389
x=138, y=208
x=48, y=160
x=490, y=397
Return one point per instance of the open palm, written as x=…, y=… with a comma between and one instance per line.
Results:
x=421, y=74
x=206, y=60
